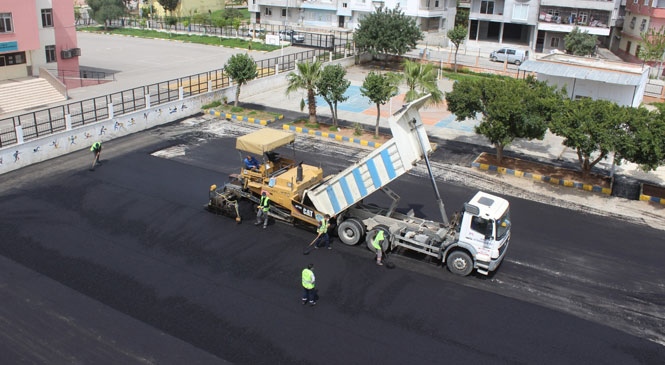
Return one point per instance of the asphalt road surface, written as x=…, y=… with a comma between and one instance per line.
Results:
x=123, y=265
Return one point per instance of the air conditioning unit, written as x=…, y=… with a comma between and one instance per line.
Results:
x=76, y=52
x=66, y=54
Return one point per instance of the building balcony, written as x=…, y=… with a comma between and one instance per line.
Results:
x=580, y=17
x=567, y=28
x=607, y=5
x=341, y=11
x=497, y=17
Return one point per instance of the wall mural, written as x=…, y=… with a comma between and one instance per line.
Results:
x=66, y=142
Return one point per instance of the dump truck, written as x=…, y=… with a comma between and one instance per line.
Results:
x=476, y=238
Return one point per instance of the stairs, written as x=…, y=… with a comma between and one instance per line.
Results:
x=26, y=94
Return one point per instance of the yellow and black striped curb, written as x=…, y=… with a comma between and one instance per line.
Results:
x=652, y=199
x=242, y=118
x=538, y=177
x=331, y=135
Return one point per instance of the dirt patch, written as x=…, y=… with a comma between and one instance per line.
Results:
x=545, y=170
x=342, y=131
x=249, y=113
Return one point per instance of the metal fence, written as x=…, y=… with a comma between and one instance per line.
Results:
x=48, y=121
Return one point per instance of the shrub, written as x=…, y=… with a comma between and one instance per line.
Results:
x=237, y=109
x=214, y=104
x=358, y=129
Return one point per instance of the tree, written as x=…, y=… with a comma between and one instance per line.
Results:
x=653, y=46
x=387, y=32
x=331, y=86
x=510, y=108
x=169, y=5
x=421, y=79
x=591, y=127
x=379, y=88
x=306, y=78
x=241, y=68
x=457, y=35
x=641, y=141
x=462, y=16
x=105, y=10
x=580, y=43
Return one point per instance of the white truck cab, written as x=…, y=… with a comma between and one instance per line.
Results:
x=484, y=231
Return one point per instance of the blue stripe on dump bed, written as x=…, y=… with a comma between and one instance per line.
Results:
x=333, y=199
x=390, y=169
x=346, y=190
x=376, y=180
x=359, y=182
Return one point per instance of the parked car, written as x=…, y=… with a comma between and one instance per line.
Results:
x=256, y=33
x=291, y=36
x=514, y=55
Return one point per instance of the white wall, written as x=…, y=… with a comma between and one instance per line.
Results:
x=620, y=94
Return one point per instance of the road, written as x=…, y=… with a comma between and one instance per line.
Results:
x=123, y=265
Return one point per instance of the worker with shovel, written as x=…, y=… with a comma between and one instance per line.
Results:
x=378, y=247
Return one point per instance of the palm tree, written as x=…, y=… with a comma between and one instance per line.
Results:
x=306, y=78
x=421, y=80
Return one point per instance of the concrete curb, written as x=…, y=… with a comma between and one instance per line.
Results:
x=334, y=136
x=538, y=177
x=652, y=199
x=242, y=118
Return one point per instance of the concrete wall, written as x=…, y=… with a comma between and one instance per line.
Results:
x=80, y=138
x=622, y=95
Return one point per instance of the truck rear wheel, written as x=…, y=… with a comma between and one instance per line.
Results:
x=350, y=232
x=459, y=263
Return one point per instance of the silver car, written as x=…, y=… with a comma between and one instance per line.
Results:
x=513, y=55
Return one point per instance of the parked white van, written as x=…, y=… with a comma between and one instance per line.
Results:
x=514, y=55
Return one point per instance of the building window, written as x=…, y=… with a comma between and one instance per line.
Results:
x=582, y=18
x=554, y=42
x=283, y=13
x=646, y=2
x=436, y=3
x=637, y=50
x=268, y=11
x=632, y=22
x=520, y=12
x=345, y=5
x=487, y=7
x=50, y=54
x=47, y=18
x=14, y=58
x=643, y=26
x=6, y=23
x=553, y=12
x=635, y=1
x=628, y=45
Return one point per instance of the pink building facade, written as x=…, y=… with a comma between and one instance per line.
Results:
x=641, y=15
x=37, y=33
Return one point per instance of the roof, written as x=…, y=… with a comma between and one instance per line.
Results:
x=574, y=67
x=489, y=206
x=264, y=140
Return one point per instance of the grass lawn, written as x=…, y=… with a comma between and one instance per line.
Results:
x=191, y=38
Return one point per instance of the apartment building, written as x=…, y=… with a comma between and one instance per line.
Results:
x=502, y=21
x=559, y=17
x=34, y=34
x=641, y=15
x=430, y=15
x=542, y=25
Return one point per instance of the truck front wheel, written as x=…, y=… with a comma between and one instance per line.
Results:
x=459, y=263
x=350, y=232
